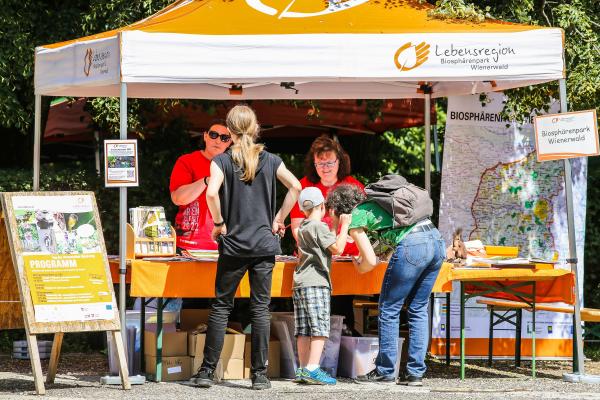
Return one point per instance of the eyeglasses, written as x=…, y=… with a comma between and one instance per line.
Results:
x=215, y=134
x=329, y=164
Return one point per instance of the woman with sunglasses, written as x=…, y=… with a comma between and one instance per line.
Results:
x=327, y=166
x=241, y=197
x=189, y=178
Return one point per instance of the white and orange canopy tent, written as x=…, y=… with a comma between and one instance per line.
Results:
x=246, y=49
x=296, y=49
x=299, y=49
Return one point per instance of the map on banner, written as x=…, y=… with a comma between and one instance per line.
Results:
x=494, y=188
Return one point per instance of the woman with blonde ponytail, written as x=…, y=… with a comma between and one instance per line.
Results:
x=242, y=123
x=241, y=199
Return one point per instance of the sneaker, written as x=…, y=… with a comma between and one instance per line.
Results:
x=203, y=378
x=301, y=373
x=374, y=377
x=260, y=382
x=411, y=380
x=318, y=377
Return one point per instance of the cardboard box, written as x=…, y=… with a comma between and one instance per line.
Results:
x=231, y=363
x=189, y=319
x=173, y=368
x=359, y=318
x=174, y=344
x=230, y=369
x=233, y=345
x=273, y=367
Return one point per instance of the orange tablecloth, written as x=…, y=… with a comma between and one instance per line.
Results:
x=197, y=279
x=552, y=285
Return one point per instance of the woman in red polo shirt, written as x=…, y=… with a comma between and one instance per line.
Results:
x=190, y=176
x=327, y=166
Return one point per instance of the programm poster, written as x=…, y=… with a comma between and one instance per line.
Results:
x=120, y=163
x=63, y=257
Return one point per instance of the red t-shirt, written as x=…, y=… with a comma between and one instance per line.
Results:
x=193, y=222
x=350, y=248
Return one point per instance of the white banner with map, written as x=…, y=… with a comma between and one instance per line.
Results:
x=494, y=188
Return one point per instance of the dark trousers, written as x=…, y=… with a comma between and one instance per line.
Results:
x=230, y=271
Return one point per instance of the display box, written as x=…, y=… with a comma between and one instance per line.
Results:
x=139, y=247
x=357, y=355
x=174, y=344
x=173, y=368
x=273, y=367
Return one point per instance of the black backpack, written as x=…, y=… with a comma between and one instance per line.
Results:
x=407, y=203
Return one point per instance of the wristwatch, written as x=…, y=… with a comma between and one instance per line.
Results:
x=205, y=180
x=219, y=224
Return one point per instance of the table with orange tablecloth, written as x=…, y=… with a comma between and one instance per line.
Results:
x=531, y=284
x=169, y=279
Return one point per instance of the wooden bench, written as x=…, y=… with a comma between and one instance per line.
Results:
x=506, y=306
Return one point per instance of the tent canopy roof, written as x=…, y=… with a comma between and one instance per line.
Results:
x=338, y=49
x=255, y=17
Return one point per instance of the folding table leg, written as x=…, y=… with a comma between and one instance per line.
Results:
x=491, y=337
x=448, y=341
x=518, y=338
x=533, y=333
x=462, y=330
x=159, y=338
x=142, y=333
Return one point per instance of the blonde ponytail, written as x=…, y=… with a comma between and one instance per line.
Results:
x=241, y=122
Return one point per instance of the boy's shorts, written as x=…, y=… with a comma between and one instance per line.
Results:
x=312, y=307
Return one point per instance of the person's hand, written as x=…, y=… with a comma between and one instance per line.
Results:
x=356, y=260
x=218, y=231
x=278, y=227
x=345, y=219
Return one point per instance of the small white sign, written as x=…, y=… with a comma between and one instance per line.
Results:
x=567, y=135
x=120, y=163
x=174, y=370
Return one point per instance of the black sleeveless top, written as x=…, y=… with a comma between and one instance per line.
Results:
x=248, y=208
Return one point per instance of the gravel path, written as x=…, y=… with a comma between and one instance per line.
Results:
x=504, y=381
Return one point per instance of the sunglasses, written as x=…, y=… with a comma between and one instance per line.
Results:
x=214, y=135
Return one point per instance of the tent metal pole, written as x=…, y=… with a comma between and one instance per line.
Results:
x=572, y=243
x=37, y=139
x=97, y=151
x=123, y=219
x=428, y=139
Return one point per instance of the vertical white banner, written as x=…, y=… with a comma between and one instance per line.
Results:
x=494, y=188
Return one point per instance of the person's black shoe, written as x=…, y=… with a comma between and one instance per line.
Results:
x=260, y=382
x=374, y=377
x=410, y=380
x=203, y=378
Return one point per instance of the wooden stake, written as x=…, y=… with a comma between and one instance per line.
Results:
x=123, y=371
x=54, y=356
x=36, y=365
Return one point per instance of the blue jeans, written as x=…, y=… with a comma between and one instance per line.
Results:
x=409, y=278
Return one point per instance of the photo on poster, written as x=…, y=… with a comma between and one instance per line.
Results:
x=56, y=232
